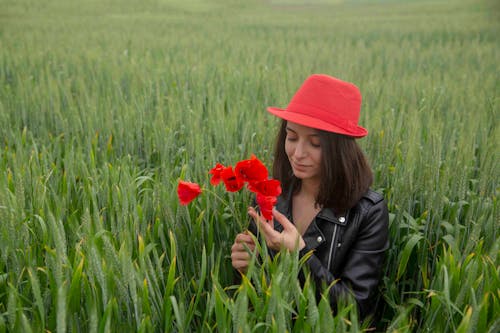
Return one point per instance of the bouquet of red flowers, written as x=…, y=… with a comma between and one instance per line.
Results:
x=251, y=172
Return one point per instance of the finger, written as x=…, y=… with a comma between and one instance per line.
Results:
x=258, y=219
x=241, y=266
x=244, y=238
x=282, y=219
x=266, y=228
x=239, y=262
x=238, y=255
x=249, y=233
x=273, y=238
x=270, y=222
x=243, y=247
x=247, y=247
x=253, y=213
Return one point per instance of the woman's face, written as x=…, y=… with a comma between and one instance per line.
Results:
x=303, y=148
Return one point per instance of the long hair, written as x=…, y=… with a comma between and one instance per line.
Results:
x=345, y=172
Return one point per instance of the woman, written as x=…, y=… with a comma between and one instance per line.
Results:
x=326, y=205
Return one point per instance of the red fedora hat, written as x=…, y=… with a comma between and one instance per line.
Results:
x=326, y=103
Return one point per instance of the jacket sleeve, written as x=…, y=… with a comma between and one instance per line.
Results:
x=362, y=267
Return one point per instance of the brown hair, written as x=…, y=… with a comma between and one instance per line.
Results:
x=345, y=171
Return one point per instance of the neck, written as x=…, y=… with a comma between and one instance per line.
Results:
x=310, y=188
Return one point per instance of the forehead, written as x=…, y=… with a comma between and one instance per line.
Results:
x=301, y=129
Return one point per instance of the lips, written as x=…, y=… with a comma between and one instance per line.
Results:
x=299, y=167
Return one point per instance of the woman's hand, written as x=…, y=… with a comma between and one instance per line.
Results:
x=240, y=257
x=289, y=238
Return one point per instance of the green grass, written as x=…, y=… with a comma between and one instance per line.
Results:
x=104, y=105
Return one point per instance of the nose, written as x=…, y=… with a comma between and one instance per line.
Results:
x=300, y=150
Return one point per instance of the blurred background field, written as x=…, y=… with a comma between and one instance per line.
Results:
x=105, y=105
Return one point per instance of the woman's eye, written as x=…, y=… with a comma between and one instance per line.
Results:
x=316, y=144
x=289, y=138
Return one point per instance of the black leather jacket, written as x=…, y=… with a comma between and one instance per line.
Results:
x=349, y=249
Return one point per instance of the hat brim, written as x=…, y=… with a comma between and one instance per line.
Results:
x=312, y=122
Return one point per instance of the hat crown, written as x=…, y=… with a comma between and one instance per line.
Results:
x=326, y=103
x=328, y=98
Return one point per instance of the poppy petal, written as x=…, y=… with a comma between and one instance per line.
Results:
x=187, y=191
x=251, y=170
x=268, y=187
x=216, y=174
x=266, y=204
x=232, y=183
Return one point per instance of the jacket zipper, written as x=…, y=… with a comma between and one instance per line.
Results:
x=332, y=246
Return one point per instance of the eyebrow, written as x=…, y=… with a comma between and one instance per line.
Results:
x=295, y=132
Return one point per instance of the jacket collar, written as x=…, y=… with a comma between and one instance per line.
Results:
x=284, y=206
x=328, y=215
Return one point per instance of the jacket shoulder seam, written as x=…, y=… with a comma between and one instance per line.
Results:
x=373, y=196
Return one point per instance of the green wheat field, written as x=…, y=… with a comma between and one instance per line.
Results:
x=106, y=104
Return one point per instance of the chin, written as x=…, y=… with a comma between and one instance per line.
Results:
x=301, y=175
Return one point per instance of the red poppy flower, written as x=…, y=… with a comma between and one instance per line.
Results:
x=232, y=183
x=216, y=174
x=187, y=192
x=268, y=187
x=266, y=204
x=251, y=170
